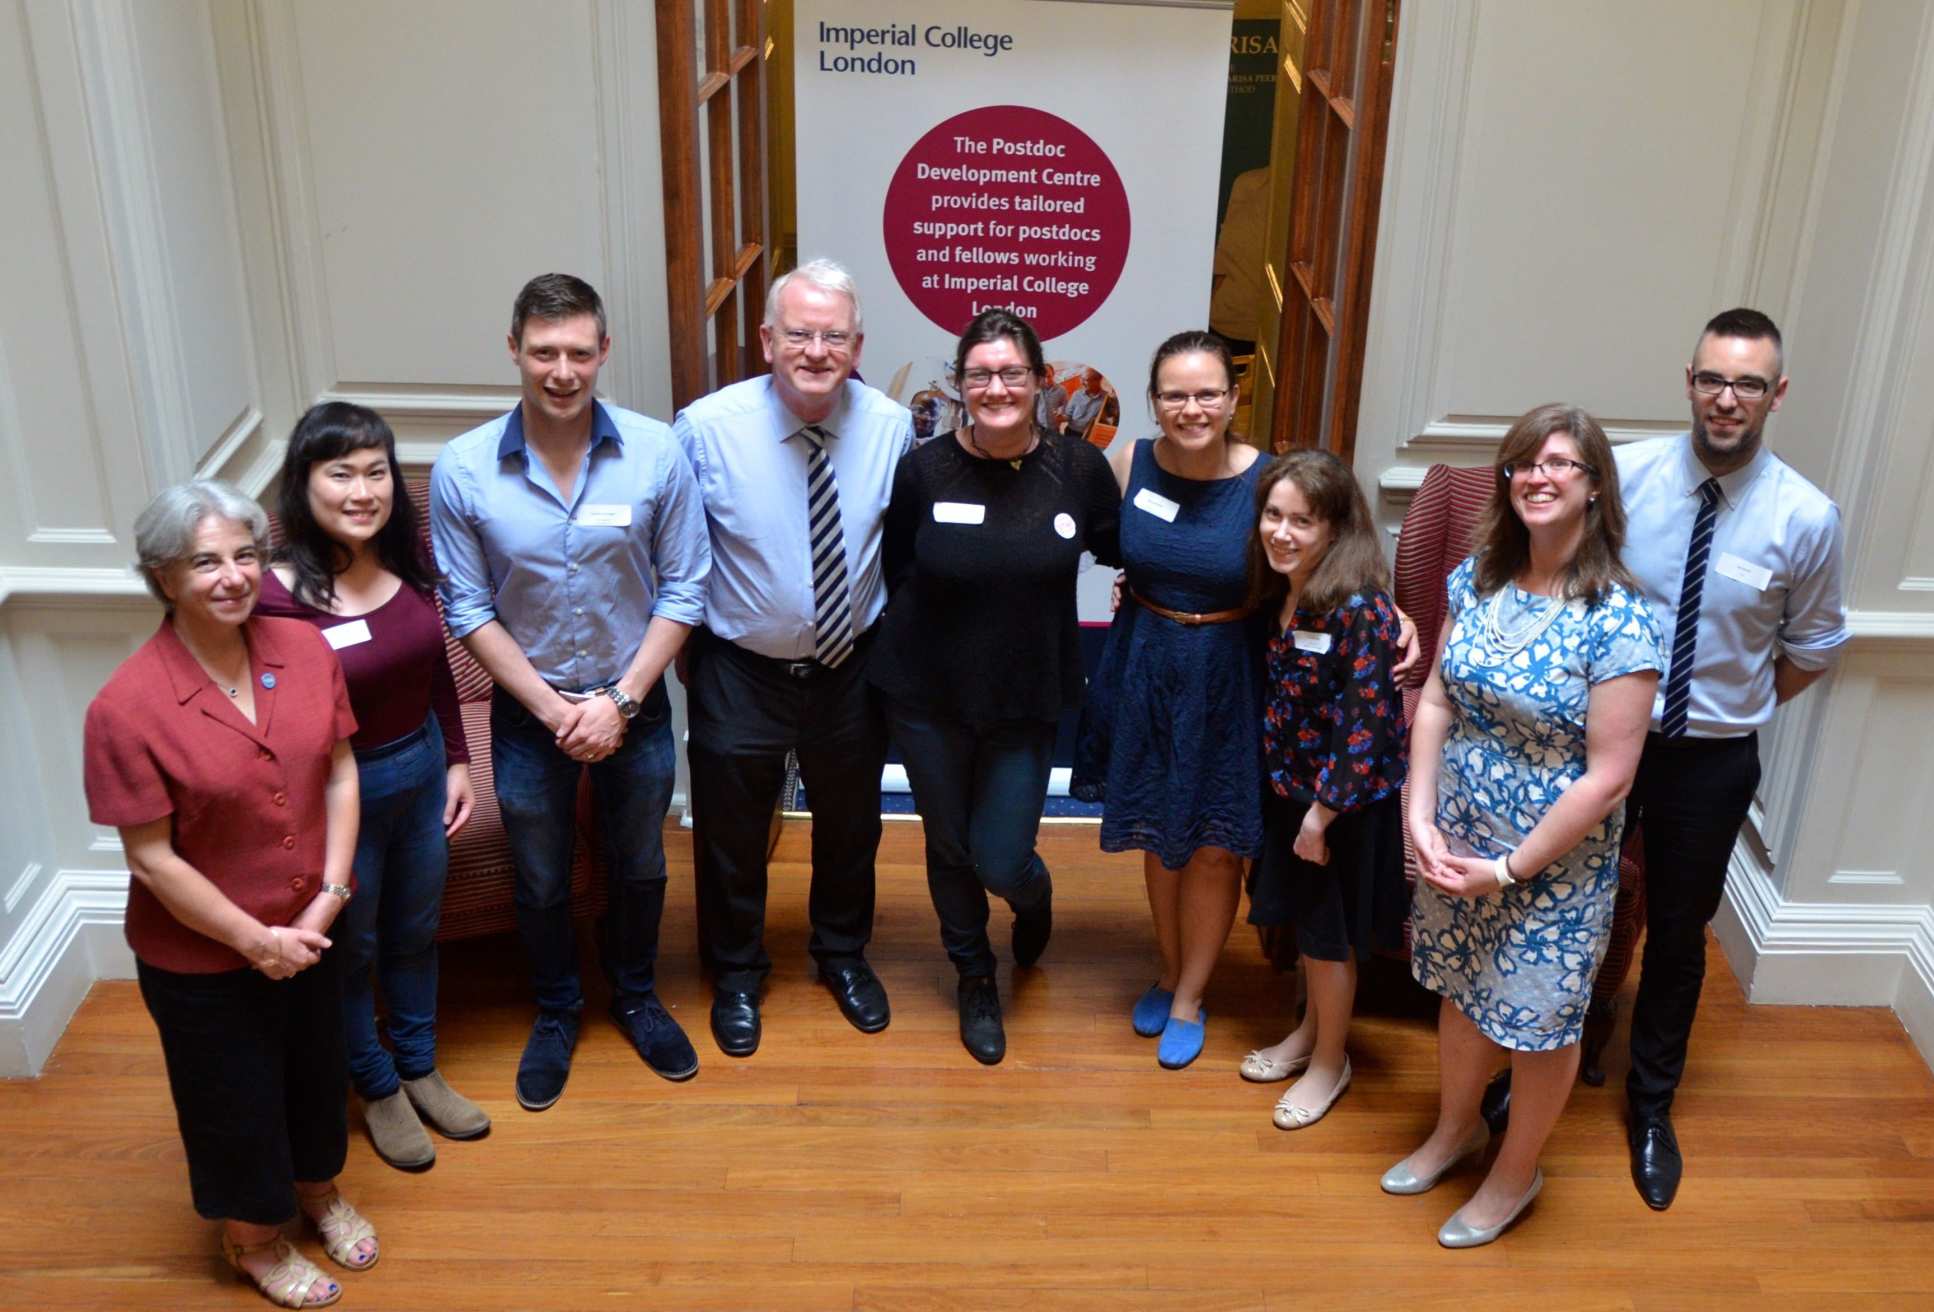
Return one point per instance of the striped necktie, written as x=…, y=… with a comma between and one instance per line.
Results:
x=1685, y=633
x=832, y=597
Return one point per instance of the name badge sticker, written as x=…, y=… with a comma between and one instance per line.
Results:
x=958, y=512
x=603, y=516
x=1314, y=642
x=1157, y=505
x=1756, y=577
x=353, y=634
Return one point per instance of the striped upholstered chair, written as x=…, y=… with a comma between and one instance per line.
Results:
x=1436, y=535
x=477, y=898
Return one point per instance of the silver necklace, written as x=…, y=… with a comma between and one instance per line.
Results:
x=1509, y=642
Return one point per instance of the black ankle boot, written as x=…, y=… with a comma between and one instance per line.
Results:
x=980, y=1019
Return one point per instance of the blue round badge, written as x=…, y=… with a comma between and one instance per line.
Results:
x=268, y=680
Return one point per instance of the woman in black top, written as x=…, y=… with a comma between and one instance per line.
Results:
x=979, y=655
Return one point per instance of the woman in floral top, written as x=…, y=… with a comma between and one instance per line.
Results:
x=1333, y=747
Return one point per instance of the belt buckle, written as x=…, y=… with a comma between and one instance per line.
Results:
x=800, y=669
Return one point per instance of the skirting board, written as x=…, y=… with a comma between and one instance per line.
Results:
x=70, y=938
x=1828, y=954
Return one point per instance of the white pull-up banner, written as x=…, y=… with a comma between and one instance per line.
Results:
x=1054, y=157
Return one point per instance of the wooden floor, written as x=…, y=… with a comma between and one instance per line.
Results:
x=890, y=1172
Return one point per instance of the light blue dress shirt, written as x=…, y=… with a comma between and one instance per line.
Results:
x=751, y=467
x=575, y=581
x=1773, y=579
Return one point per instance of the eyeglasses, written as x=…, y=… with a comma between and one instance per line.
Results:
x=1208, y=398
x=1556, y=467
x=1747, y=388
x=833, y=340
x=1012, y=376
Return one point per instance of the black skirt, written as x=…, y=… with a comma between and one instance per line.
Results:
x=1356, y=903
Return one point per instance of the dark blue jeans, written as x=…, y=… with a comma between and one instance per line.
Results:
x=402, y=859
x=979, y=790
x=537, y=788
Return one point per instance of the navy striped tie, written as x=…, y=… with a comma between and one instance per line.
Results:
x=1685, y=633
x=832, y=596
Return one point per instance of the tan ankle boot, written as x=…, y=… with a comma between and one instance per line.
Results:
x=453, y=1115
x=399, y=1136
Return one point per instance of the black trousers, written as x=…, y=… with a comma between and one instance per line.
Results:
x=260, y=1076
x=1691, y=794
x=746, y=712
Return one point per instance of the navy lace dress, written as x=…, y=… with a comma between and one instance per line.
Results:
x=1171, y=738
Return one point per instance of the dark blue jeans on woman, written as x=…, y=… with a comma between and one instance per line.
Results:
x=979, y=790
x=402, y=859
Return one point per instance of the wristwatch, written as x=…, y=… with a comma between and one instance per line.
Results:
x=626, y=707
x=342, y=891
x=1503, y=871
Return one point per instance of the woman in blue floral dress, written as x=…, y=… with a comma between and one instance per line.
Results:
x=1523, y=747
x=1333, y=752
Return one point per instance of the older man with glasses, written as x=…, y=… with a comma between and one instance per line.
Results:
x=795, y=469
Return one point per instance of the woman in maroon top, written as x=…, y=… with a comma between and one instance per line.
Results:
x=1333, y=749
x=353, y=564
x=220, y=750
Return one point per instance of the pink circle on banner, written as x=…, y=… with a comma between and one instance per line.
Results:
x=1011, y=207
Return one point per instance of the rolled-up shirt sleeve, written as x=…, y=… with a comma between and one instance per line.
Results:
x=468, y=600
x=681, y=546
x=1814, y=627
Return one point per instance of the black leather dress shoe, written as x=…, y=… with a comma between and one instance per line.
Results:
x=861, y=996
x=1656, y=1163
x=1496, y=1107
x=1031, y=933
x=981, y=1032
x=735, y=1022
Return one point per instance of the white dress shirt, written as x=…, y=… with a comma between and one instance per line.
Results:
x=1773, y=579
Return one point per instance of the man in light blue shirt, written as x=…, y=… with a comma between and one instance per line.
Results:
x=1739, y=556
x=795, y=470
x=574, y=554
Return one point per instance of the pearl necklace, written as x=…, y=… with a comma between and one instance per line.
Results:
x=1507, y=642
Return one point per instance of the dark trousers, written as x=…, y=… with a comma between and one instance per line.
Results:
x=979, y=790
x=746, y=712
x=259, y=1078
x=537, y=792
x=1691, y=794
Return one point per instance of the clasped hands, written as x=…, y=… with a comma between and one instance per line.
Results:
x=287, y=950
x=589, y=730
x=1448, y=873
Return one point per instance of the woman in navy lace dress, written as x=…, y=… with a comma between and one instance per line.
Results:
x=1333, y=747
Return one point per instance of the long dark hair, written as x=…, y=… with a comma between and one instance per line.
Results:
x=331, y=431
x=1354, y=563
x=1504, y=544
x=1189, y=342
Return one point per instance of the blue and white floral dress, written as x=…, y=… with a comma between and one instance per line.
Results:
x=1520, y=962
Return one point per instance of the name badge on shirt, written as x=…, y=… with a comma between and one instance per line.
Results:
x=1157, y=505
x=958, y=512
x=603, y=516
x=1307, y=641
x=352, y=634
x=1756, y=577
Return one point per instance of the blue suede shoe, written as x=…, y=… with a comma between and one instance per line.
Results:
x=1181, y=1041
x=1151, y=1011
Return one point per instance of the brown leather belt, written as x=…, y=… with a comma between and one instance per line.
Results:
x=1193, y=617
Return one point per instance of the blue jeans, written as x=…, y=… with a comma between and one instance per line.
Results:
x=979, y=790
x=537, y=789
x=402, y=859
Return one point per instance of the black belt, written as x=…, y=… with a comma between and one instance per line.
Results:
x=801, y=669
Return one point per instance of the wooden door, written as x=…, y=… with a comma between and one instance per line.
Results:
x=716, y=223
x=1324, y=218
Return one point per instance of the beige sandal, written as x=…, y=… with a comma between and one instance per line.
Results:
x=342, y=1227
x=291, y=1278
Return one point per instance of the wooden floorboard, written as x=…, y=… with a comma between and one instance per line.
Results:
x=891, y=1173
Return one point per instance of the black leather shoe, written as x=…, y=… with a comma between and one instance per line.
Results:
x=1656, y=1163
x=1031, y=932
x=1496, y=1107
x=861, y=996
x=735, y=1022
x=980, y=1019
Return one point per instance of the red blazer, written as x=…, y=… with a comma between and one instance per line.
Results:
x=247, y=800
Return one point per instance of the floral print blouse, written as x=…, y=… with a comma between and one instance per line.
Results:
x=1333, y=728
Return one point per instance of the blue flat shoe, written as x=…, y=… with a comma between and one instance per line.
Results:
x=1151, y=1011
x=1181, y=1041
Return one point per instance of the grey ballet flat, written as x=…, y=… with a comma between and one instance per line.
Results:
x=1456, y=1234
x=1400, y=1179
